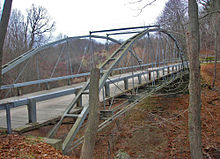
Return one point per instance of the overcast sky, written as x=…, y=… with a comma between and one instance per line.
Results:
x=78, y=17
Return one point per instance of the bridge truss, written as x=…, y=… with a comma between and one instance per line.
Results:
x=151, y=57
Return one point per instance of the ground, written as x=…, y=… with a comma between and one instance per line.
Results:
x=17, y=146
x=155, y=128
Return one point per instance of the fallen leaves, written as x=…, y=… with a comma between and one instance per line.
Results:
x=17, y=146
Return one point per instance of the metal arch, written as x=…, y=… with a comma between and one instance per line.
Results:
x=13, y=63
x=7, y=67
x=172, y=37
x=78, y=37
x=125, y=47
x=113, y=60
x=177, y=44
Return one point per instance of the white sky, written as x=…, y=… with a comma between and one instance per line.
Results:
x=78, y=17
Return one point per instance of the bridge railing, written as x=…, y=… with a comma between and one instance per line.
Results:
x=81, y=75
x=31, y=101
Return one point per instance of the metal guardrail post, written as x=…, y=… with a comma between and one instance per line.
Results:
x=126, y=83
x=32, y=113
x=8, y=118
x=157, y=73
x=149, y=74
x=86, y=78
x=187, y=65
x=163, y=71
x=79, y=102
x=139, y=79
x=168, y=70
x=19, y=91
x=68, y=81
x=107, y=90
x=48, y=86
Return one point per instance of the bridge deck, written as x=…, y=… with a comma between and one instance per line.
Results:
x=53, y=108
x=46, y=110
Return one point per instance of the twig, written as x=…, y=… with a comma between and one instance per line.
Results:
x=142, y=8
x=215, y=11
x=168, y=120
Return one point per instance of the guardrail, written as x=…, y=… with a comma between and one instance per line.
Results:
x=31, y=101
x=23, y=84
x=209, y=60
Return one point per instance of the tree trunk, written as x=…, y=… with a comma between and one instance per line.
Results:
x=217, y=38
x=3, y=30
x=32, y=40
x=193, y=49
x=93, y=121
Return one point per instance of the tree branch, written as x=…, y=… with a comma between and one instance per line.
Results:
x=210, y=13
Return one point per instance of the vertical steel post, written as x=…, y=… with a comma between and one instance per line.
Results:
x=32, y=112
x=157, y=73
x=37, y=69
x=79, y=101
x=126, y=83
x=68, y=81
x=8, y=118
x=103, y=96
x=132, y=73
x=47, y=86
x=107, y=90
x=139, y=79
x=19, y=92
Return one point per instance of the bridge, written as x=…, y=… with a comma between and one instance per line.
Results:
x=52, y=81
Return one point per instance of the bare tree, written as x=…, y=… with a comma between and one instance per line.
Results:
x=3, y=29
x=39, y=24
x=193, y=48
x=217, y=37
x=210, y=28
x=15, y=39
x=173, y=18
x=206, y=25
x=26, y=31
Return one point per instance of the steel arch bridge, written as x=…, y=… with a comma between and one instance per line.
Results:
x=151, y=56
